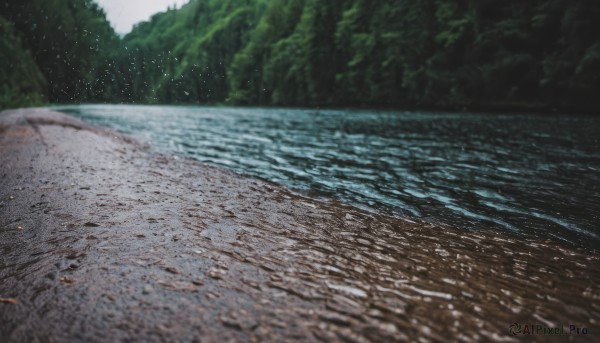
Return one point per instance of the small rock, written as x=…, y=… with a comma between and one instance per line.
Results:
x=172, y=270
x=216, y=274
x=231, y=322
x=66, y=280
x=211, y=295
x=148, y=289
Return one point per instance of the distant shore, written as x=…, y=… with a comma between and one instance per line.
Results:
x=499, y=108
x=103, y=239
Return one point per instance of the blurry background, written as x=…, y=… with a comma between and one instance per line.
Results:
x=511, y=54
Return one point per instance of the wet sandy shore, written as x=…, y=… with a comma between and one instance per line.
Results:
x=101, y=239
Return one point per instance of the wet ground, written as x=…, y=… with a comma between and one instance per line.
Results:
x=102, y=239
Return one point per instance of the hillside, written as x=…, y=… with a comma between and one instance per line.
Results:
x=398, y=53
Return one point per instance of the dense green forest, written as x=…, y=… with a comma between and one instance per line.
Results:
x=395, y=53
x=56, y=51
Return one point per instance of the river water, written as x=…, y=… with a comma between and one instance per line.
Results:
x=536, y=175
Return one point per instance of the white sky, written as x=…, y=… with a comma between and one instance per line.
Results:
x=123, y=14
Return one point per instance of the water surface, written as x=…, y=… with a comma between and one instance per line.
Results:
x=532, y=174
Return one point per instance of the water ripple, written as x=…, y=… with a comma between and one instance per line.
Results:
x=535, y=174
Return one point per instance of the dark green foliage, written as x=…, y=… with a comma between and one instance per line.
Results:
x=259, y=71
x=422, y=53
x=399, y=53
x=70, y=42
x=184, y=56
x=21, y=82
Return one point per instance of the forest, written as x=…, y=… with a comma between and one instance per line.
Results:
x=449, y=54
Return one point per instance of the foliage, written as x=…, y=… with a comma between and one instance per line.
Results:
x=184, y=55
x=70, y=42
x=21, y=82
x=426, y=53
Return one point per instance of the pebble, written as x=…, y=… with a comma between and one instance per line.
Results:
x=148, y=289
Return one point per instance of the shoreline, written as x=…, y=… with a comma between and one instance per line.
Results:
x=493, y=109
x=484, y=109
x=103, y=239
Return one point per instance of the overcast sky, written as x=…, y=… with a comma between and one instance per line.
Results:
x=123, y=14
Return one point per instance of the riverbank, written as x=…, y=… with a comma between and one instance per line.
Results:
x=103, y=239
x=487, y=108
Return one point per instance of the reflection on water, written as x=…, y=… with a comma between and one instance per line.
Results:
x=534, y=174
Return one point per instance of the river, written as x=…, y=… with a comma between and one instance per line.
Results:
x=532, y=174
